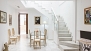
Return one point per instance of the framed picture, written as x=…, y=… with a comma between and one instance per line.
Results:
x=87, y=15
x=37, y=20
x=3, y=17
x=10, y=19
x=90, y=11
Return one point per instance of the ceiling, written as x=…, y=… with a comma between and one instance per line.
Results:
x=15, y=3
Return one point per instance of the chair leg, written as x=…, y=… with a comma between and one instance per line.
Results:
x=40, y=44
x=30, y=42
x=34, y=45
x=45, y=42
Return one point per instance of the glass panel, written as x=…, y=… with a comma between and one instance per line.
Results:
x=55, y=21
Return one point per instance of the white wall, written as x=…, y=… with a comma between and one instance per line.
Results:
x=81, y=4
x=14, y=14
x=55, y=7
x=4, y=27
x=31, y=15
x=67, y=11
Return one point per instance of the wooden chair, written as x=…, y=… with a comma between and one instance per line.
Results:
x=11, y=38
x=9, y=34
x=31, y=38
x=43, y=37
x=37, y=39
x=6, y=47
x=45, y=32
x=13, y=34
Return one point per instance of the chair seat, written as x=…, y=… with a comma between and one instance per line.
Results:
x=13, y=37
x=37, y=40
x=42, y=37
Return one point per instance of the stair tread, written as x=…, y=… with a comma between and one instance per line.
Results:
x=64, y=33
x=62, y=27
x=63, y=30
x=71, y=42
x=67, y=47
x=61, y=21
x=65, y=37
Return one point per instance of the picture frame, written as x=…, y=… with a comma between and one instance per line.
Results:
x=3, y=17
x=87, y=15
x=10, y=19
x=37, y=20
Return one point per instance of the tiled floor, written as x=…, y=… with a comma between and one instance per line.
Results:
x=23, y=45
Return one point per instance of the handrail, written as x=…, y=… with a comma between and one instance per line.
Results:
x=57, y=21
x=54, y=14
x=57, y=26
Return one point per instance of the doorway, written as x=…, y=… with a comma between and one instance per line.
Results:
x=22, y=23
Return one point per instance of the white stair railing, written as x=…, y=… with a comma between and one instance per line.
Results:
x=56, y=26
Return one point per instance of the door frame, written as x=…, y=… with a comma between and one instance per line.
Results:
x=19, y=22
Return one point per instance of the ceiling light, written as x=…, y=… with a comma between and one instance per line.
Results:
x=18, y=6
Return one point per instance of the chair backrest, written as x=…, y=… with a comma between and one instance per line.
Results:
x=37, y=29
x=9, y=32
x=37, y=34
x=45, y=31
x=29, y=32
x=13, y=32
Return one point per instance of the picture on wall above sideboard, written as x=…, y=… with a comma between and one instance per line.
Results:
x=10, y=19
x=87, y=15
x=37, y=20
x=3, y=17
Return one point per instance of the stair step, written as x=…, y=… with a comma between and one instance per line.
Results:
x=64, y=35
x=63, y=31
x=69, y=43
x=65, y=38
x=66, y=48
x=63, y=23
x=62, y=28
x=47, y=11
x=36, y=6
x=61, y=20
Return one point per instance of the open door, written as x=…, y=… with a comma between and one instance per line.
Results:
x=24, y=21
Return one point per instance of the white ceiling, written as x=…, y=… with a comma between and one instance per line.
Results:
x=15, y=3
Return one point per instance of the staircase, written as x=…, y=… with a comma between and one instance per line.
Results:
x=65, y=38
x=42, y=10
